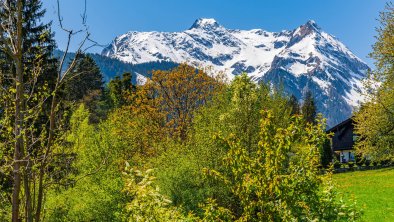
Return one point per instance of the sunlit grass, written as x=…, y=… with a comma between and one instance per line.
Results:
x=373, y=190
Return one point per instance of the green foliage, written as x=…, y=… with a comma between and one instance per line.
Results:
x=270, y=165
x=280, y=180
x=5, y=206
x=236, y=110
x=213, y=212
x=93, y=191
x=375, y=120
x=27, y=76
x=120, y=90
x=245, y=100
x=180, y=176
x=146, y=203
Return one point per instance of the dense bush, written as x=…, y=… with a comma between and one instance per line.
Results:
x=280, y=180
x=145, y=202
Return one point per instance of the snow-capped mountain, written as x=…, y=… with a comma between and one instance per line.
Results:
x=300, y=59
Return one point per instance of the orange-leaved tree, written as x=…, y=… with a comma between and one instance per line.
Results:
x=170, y=98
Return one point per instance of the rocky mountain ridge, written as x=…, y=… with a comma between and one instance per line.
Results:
x=306, y=58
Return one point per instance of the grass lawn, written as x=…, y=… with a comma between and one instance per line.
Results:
x=373, y=190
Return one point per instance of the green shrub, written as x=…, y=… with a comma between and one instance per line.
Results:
x=146, y=203
x=337, y=164
x=280, y=180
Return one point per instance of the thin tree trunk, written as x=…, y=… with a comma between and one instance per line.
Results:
x=18, y=143
x=26, y=182
x=40, y=195
x=18, y=115
x=27, y=176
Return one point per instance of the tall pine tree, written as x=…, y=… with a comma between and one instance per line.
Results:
x=86, y=78
x=120, y=90
x=308, y=108
x=294, y=105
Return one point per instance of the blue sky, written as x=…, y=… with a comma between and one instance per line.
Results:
x=352, y=21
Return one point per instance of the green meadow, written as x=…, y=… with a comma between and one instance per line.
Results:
x=373, y=190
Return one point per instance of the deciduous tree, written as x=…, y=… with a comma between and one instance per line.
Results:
x=30, y=119
x=173, y=96
x=375, y=119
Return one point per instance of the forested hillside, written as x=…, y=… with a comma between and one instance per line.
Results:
x=111, y=67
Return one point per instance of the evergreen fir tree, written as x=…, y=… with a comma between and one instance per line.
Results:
x=37, y=46
x=86, y=77
x=115, y=92
x=326, y=154
x=85, y=85
x=120, y=90
x=294, y=105
x=308, y=108
x=38, y=40
x=126, y=81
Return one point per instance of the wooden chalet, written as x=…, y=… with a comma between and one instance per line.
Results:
x=343, y=140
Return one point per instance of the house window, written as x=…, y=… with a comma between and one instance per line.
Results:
x=343, y=157
x=351, y=156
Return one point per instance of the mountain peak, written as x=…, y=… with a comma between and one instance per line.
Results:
x=205, y=23
x=311, y=26
x=307, y=29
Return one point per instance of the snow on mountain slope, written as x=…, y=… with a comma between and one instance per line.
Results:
x=140, y=79
x=301, y=59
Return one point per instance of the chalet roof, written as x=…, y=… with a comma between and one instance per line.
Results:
x=343, y=138
x=340, y=125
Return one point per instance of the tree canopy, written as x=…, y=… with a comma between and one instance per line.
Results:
x=375, y=119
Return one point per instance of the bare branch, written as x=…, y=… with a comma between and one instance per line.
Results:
x=94, y=44
x=84, y=15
